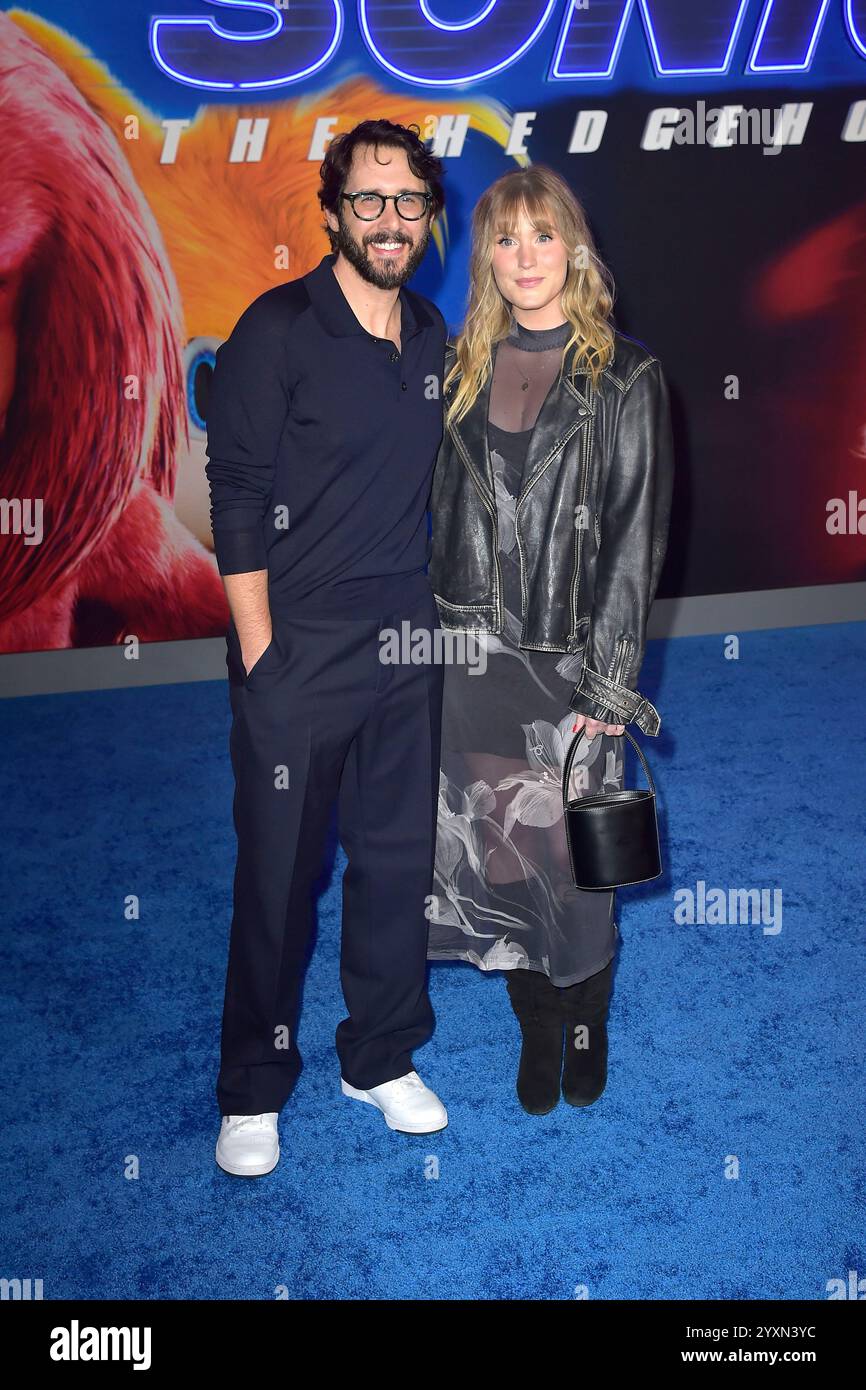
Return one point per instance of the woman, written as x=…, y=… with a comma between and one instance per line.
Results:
x=550, y=507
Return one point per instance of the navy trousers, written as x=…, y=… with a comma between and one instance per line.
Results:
x=322, y=720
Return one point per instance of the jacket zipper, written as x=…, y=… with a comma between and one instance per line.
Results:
x=623, y=651
x=575, y=588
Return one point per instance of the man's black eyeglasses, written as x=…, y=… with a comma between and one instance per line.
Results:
x=369, y=206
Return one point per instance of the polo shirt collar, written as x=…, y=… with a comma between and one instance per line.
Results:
x=336, y=313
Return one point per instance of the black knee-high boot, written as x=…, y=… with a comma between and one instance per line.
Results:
x=584, y=1009
x=537, y=1009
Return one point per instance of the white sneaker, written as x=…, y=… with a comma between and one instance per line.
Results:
x=248, y=1145
x=407, y=1104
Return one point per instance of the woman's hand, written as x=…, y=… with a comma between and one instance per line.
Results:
x=595, y=726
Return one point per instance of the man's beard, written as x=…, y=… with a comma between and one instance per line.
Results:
x=383, y=274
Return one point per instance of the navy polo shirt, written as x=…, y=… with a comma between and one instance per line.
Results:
x=321, y=441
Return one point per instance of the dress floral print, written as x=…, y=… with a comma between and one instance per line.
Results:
x=503, y=894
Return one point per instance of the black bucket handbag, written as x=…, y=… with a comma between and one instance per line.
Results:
x=613, y=838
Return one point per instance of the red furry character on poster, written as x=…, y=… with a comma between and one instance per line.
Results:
x=92, y=405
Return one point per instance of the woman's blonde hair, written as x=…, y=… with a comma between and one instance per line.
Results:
x=587, y=295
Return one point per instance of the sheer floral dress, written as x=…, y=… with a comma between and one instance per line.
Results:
x=503, y=895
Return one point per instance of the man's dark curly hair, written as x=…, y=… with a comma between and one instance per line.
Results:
x=334, y=169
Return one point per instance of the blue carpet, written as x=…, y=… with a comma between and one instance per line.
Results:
x=733, y=1049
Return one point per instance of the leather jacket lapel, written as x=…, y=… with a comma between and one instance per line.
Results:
x=564, y=410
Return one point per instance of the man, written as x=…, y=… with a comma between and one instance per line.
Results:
x=324, y=421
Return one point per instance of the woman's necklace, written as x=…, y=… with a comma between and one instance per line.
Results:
x=536, y=340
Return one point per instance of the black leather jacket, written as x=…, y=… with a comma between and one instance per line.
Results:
x=592, y=526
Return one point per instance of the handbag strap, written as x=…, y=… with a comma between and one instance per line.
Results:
x=569, y=759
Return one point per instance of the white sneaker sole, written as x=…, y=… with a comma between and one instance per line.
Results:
x=256, y=1170
x=420, y=1128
